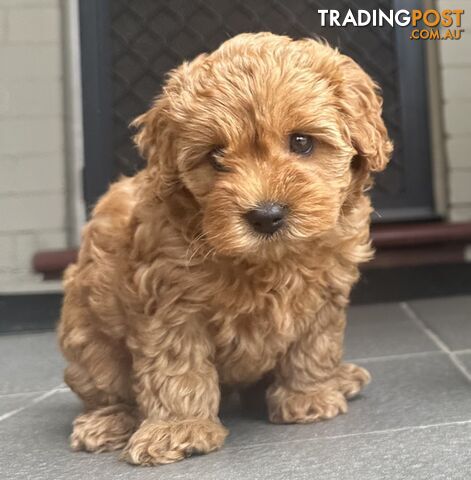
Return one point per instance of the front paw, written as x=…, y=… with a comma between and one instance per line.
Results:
x=351, y=379
x=287, y=406
x=161, y=442
x=325, y=400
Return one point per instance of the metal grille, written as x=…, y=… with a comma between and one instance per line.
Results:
x=150, y=37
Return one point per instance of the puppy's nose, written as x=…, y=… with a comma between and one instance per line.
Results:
x=267, y=217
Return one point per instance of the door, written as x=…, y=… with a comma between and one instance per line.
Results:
x=128, y=46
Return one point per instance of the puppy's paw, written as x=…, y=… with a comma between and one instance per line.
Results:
x=351, y=379
x=104, y=429
x=287, y=406
x=326, y=399
x=161, y=442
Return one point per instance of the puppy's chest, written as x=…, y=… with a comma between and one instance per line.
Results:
x=253, y=326
x=248, y=345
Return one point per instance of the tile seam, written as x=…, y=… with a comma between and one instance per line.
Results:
x=415, y=317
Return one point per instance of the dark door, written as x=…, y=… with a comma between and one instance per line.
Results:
x=128, y=46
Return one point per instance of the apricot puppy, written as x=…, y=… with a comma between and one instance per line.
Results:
x=231, y=255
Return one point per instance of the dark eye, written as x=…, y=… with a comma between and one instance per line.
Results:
x=215, y=156
x=301, y=144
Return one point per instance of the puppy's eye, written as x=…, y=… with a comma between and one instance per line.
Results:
x=215, y=156
x=301, y=144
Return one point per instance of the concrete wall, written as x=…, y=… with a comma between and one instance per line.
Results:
x=455, y=61
x=32, y=179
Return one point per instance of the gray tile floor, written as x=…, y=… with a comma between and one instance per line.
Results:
x=412, y=422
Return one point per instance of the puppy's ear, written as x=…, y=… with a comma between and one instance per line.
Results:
x=154, y=141
x=362, y=106
x=152, y=128
x=157, y=129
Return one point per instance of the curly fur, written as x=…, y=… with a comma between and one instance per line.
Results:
x=173, y=295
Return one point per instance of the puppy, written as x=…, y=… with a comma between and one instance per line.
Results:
x=231, y=256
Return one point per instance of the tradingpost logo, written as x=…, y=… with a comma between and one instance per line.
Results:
x=426, y=24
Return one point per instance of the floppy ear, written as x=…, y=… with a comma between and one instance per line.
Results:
x=152, y=128
x=362, y=107
x=155, y=142
x=157, y=129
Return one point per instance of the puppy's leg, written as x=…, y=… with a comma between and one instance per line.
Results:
x=311, y=382
x=178, y=395
x=99, y=373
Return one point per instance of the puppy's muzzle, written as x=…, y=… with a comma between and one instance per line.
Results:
x=267, y=217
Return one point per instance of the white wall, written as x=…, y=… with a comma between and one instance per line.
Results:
x=455, y=60
x=32, y=178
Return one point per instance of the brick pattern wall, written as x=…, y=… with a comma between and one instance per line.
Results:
x=455, y=59
x=32, y=179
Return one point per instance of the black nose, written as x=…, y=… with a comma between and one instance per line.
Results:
x=267, y=217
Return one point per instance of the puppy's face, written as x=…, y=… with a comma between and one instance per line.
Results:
x=272, y=138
